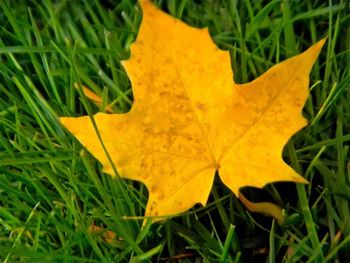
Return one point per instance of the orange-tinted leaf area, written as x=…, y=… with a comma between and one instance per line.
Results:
x=189, y=119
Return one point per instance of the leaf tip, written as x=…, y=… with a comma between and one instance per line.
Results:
x=144, y=3
x=321, y=43
x=71, y=124
x=63, y=120
x=315, y=49
x=301, y=180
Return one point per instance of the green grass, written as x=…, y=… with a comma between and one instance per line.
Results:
x=52, y=190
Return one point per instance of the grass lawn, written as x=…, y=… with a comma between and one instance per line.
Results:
x=52, y=190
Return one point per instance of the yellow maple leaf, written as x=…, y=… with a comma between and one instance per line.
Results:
x=189, y=119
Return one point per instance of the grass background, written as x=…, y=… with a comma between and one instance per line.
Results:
x=52, y=190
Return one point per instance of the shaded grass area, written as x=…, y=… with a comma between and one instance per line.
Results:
x=52, y=190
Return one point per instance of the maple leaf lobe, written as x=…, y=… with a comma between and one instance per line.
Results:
x=190, y=119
